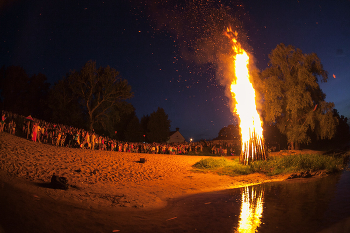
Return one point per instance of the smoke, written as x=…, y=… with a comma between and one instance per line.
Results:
x=198, y=27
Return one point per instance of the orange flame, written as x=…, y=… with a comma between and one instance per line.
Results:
x=244, y=94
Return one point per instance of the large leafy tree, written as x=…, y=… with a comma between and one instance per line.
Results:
x=125, y=123
x=158, y=126
x=13, y=84
x=341, y=138
x=229, y=132
x=64, y=105
x=101, y=91
x=133, y=131
x=342, y=135
x=21, y=94
x=293, y=99
x=38, y=91
x=144, y=123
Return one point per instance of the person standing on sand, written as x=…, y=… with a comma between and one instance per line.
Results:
x=63, y=138
x=42, y=133
x=28, y=129
x=35, y=131
x=2, y=124
x=38, y=130
x=103, y=143
x=69, y=138
x=78, y=138
x=14, y=128
x=82, y=139
x=86, y=140
x=58, y=138
x=100, y=142
x=9, y=127
x=93, y=138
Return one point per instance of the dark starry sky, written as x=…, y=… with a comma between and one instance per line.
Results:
x=170, y=51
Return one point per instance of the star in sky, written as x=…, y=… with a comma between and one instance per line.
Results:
x=168, y=50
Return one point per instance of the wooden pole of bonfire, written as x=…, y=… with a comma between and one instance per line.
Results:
x=252, y=150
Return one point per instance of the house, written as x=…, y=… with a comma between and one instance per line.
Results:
x=176, y=137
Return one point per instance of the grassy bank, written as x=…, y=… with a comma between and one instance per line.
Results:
x=275, y=165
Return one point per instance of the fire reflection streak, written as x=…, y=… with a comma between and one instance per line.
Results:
x=251, y=210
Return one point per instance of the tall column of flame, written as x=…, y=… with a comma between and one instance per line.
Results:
x=244, y=94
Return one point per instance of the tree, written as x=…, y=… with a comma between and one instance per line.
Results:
x=100, y=92
x=21, y=94
x=64, y=105
x=158, y=126
x=124, y=124
x=14, y=83
x=341, y=138
x=37, y=94
x=274, y=139
x=144, y=123
x=342, y=135
x=293, y=98
x=229, y=132
x=133, y=132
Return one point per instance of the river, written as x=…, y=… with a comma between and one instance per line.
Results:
x=299, y=205
x=319, y=205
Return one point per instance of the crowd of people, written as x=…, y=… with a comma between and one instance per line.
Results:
x=67, y=136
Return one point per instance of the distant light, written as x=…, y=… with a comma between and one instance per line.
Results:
x=191, y=139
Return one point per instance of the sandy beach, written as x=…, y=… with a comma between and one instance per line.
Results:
x=112, y=179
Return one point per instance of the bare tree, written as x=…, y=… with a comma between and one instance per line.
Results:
x=100, y=91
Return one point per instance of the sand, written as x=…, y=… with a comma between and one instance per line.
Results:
x=111, y=179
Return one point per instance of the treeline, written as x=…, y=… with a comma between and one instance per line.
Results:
x=292, y=105
x=275, y=140
x=292, y=101
x=93, y=98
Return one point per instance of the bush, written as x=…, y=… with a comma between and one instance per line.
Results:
x=211, y=163
x=275, y=165
x=311, y=162
x=223, y=166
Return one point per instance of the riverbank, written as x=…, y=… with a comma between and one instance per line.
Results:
x=110, y=179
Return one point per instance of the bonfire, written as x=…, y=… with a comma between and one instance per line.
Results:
x=243, y=95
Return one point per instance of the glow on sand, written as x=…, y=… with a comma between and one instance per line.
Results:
x=243, y=95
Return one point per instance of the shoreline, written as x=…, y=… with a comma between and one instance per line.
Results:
x=109, y=178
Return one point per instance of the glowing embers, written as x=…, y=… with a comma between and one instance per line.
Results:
x=243, y=95
x=251, y=209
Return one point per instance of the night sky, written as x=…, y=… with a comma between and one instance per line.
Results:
x=170, y=51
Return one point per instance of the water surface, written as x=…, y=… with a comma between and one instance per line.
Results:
x=319, y=205
x=299, y=205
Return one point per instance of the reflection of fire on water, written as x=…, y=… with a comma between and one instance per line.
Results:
x=251, y=210
x=243, y=93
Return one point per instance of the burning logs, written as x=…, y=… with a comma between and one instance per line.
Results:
x=253, y=149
